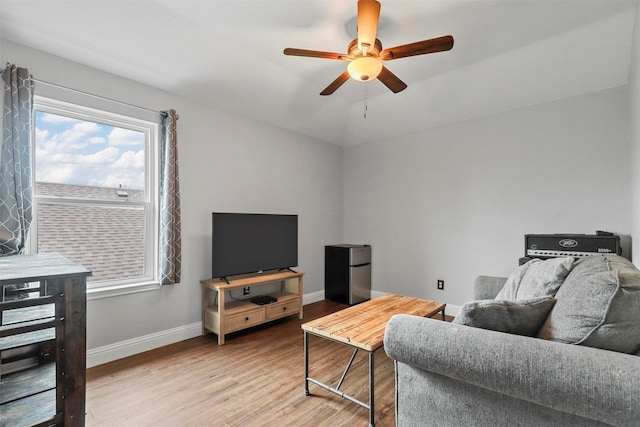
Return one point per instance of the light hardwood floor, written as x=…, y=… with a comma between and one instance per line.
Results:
x=255, y=379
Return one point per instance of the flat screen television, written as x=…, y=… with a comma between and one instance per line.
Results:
x=249, y=243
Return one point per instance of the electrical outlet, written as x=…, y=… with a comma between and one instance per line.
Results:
x=246, y=291
x=441, y=285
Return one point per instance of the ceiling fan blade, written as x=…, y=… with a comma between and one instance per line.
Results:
x=439, y=44
x=368, y=16
x=336, y=84
x=314, y=53
x=391, y=81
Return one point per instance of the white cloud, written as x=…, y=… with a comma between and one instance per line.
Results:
x=120, y=136
x=96, y=140
x=106, y=156
x=85, y=128
x=77, y=136
x=41, y=136
x=74, y=138
x=130, y=159
x=59, y=158
x=56, y=173
x=73, y=151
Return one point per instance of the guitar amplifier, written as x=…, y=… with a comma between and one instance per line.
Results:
x=575, y=245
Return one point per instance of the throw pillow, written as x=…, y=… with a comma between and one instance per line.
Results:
x=536, y=278
x=598, y=306
x=510, y=289
x=514, y=317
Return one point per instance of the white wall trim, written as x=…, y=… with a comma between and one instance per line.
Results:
x=122, y=349
x=312, y=297
x=377, y=294
x=452, y=310
x=109, y=353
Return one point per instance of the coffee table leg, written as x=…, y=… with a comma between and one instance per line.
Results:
x=306, y=364
x=371, y=390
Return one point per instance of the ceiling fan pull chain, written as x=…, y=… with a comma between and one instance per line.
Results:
x=365, y=99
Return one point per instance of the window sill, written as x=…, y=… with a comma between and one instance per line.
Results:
x=118, y=290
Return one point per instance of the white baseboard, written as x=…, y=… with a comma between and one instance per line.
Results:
x=377, y=294
x=312, y=297
x=452, y=310
x=109, y=353
x=119, y=350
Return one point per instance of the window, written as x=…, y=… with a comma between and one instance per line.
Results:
x=95, y=193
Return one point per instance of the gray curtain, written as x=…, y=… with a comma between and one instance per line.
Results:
x=16, y=188
x=170, y=239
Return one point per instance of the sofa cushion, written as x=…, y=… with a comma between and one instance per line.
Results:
x=598, y=306
x=536, y=278
x=515, y=317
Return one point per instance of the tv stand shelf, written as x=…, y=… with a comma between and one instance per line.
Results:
x=225, y=317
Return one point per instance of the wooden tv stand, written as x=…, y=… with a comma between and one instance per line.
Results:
x=225, y=317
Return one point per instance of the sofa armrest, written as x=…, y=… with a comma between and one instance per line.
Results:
x=583, y=381
x=487, y=287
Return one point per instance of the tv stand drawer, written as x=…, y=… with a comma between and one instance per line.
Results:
x=278, y=310
x=244, y=320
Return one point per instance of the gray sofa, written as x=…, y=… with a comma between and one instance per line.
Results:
x=450, y=374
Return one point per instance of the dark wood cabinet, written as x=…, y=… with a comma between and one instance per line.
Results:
x=42, y=341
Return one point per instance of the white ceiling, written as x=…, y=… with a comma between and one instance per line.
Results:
x=228, y=54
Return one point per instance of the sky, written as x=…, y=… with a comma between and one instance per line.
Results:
x=71, y=151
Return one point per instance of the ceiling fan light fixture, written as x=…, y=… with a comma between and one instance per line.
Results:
x=365, y=53
x=365, y=68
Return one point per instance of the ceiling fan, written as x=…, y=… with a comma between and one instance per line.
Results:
x=365, y=54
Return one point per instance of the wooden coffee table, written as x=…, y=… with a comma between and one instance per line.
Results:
x=362, y=327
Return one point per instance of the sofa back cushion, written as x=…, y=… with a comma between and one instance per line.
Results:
x=598, y=305
x=536, y=278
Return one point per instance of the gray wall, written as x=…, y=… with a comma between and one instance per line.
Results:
x=455, y=202
x=227, y=163
x=634, y=96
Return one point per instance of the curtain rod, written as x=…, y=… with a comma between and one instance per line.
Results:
x=95, y=96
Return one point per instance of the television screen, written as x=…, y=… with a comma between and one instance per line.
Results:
x=248, y=243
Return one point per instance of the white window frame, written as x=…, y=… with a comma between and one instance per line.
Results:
x=149, y=280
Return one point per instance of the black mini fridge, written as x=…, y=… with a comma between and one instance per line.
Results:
x=347, y=273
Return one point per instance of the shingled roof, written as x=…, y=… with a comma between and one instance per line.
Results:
x=109, y=241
